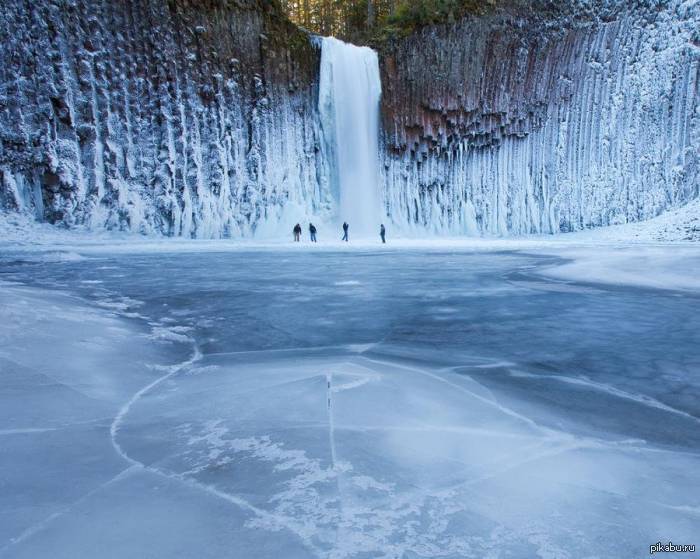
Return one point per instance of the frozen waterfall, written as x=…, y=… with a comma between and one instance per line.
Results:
x=349, y=94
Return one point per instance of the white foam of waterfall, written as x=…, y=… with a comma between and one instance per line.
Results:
x=349, y=95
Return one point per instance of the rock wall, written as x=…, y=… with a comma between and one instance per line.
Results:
x=524, y=124
x=200, y=117
x=180, y=117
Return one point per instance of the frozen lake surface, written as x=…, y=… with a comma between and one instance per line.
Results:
x=342, y=404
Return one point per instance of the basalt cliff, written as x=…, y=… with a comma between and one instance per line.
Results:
x=181, y=117
x=200, y=118
x=528, y=123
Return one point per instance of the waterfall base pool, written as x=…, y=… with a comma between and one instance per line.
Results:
x=354, y=404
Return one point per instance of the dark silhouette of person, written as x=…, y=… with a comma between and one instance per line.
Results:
x=345, y=231
x=312, y=232
x=382, y=233
x=297, y=233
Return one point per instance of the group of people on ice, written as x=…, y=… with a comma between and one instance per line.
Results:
x=297, y=232
x=346, y=228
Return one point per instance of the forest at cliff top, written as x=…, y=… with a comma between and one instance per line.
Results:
x=375, y=20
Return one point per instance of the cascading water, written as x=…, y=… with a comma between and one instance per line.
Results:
x=349, y=95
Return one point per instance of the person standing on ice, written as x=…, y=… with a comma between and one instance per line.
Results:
x=382, y=233
x=312, y=232
x=297, y=233
x=345, y=231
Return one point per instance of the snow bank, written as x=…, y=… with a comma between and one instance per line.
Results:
x=659, y=267
x=681, y=224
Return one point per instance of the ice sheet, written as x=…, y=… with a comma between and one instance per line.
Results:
x=403, y=403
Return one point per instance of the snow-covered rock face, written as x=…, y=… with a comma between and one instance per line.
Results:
x=505, y=126
x=168, y=117
x=191, y=119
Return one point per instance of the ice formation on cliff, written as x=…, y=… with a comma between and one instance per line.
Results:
x=172, y=119
x=158, y=117
x=526, y=130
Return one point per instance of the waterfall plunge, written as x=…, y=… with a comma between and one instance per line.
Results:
x=349, y=95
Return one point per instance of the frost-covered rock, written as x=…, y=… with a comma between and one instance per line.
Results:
x=171, y=117
x=524, y=123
